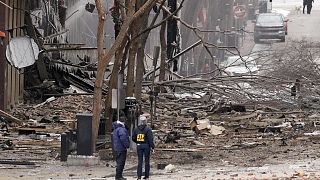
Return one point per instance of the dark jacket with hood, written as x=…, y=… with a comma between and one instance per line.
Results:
x=120, y=137
x=143, y=134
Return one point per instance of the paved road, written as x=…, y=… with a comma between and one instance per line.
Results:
x=304, y=26
x=300, y=27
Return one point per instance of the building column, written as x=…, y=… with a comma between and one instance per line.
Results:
x=2, y=56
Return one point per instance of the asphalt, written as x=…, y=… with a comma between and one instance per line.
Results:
x=304, y=26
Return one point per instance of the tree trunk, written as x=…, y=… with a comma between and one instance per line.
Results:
x=113, y=82
x=139, y=73
x=140, y=52
x=131, y=64
x=100, y=74
x=163, y=51
x=105, y=58
x=124, y=58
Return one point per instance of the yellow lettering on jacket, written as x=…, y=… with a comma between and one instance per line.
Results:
x=140, y=137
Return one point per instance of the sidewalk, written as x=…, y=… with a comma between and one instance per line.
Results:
x=246, y=43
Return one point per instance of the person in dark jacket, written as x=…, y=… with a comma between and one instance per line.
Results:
x=143, y=137
x=309, y=5
x=304, y=5
x=121, y=143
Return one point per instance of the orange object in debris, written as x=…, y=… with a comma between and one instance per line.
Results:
x=2, y=34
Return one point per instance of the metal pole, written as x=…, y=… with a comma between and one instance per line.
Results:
x=119, y=86
x=118, y=98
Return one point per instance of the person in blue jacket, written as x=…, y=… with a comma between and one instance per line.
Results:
x=121, y=143
x=304, y=5
x=143, y=137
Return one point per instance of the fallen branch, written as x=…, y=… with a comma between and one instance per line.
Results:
x=10, y=117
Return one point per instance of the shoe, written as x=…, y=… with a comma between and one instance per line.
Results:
x=122, y=178
x=146, y=178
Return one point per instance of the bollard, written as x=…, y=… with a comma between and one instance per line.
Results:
x=64, y=147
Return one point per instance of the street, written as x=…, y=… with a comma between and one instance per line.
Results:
x=301, y=27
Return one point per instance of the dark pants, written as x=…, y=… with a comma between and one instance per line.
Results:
x=304, y=6
x=121, y=161
x=143, y=150
x=309, y=7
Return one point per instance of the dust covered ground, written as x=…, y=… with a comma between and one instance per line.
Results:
x=262, y=143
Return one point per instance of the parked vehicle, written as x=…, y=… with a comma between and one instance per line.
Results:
x=270, y=26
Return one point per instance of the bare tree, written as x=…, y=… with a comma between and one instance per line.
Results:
x=105, y=57
x=163, y=51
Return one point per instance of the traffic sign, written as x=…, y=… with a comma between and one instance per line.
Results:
x=239, y=11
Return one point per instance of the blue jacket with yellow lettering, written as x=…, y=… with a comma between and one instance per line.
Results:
x=143, y=134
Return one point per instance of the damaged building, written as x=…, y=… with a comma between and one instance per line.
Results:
x=50, y=35
x=207, y=122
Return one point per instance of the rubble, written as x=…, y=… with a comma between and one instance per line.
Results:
x=170, y=168
x=47, y=101
x=315, y=133
x=217, y=130
x=208, y=120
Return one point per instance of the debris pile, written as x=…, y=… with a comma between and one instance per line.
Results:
x=214, y=120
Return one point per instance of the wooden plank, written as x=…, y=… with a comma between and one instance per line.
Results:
x=238, y=118
x=284, y=112
x=58, y=131
x=9, y=116
x=39, y=143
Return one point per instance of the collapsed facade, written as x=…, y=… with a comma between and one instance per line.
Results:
x=65, y=33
